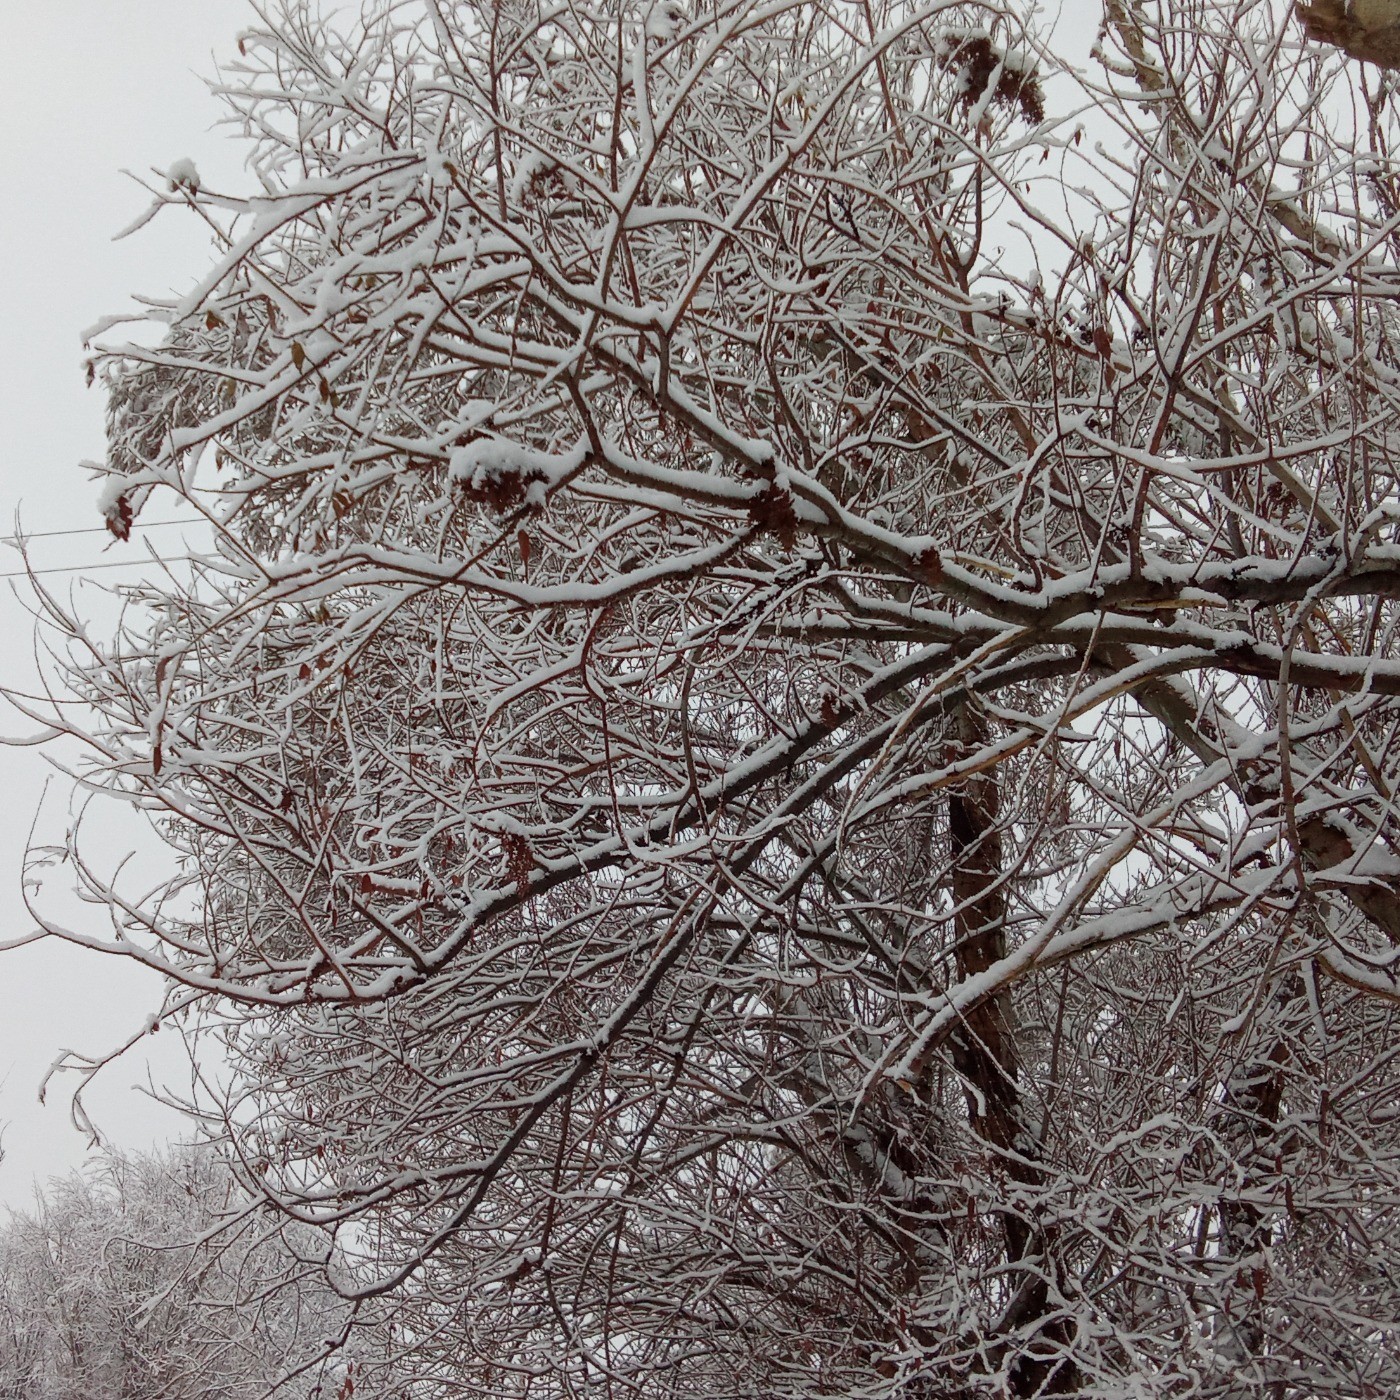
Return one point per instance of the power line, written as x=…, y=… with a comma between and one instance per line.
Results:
x=89, y=568
x=94, y=530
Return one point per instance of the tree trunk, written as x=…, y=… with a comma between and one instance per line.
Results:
x=984, y=1055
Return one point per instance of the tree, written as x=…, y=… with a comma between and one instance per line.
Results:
x=138, y=1280
x=786, y=761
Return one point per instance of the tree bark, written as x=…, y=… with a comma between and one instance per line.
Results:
x=984, y=1055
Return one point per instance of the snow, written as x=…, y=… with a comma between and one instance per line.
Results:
x=665, y=20
x=490, y=461
x=114, y=504
x=531, y=166
x=183, y=176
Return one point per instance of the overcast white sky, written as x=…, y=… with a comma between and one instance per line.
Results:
x=91, y=87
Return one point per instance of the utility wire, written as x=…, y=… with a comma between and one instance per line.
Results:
x=88, y=568
x=94, y=530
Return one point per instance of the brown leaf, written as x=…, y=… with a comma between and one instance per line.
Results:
x=119, y=517
x=520, y=859
x=930, y=565
x=772, y=510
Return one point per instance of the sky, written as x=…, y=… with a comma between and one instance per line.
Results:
x=92, y=88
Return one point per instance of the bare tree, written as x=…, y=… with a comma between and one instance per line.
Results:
x=787, y=759
x=139, y=1279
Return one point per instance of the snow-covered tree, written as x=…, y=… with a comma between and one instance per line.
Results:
x=135, y=1280
x=787, y=759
